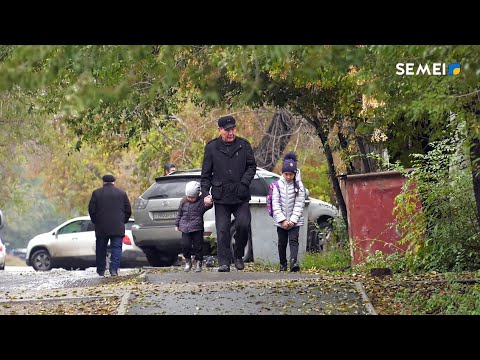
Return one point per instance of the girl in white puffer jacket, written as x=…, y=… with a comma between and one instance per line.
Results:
x=288, y=201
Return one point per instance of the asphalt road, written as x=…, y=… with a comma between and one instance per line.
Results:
x=18, y=278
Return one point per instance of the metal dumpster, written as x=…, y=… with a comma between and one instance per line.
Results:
x=370, y=200
x=264, y=235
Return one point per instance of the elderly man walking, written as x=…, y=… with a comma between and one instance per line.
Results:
x=228, y=168
x=109, y=210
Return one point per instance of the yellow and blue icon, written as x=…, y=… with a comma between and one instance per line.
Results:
x=454, y=69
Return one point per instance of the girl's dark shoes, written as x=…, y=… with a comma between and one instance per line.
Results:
x=294, y=266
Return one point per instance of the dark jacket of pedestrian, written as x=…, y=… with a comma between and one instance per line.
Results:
x=109, y=210
x=228, y=169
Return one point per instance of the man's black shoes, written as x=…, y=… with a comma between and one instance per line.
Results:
x=113, y=273
x=239, y=264
x=223, y=268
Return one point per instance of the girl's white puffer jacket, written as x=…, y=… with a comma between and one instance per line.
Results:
x=291, y=205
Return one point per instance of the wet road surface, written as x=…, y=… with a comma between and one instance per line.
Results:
x=245, y=293
x=171, y=291
x=18, y=278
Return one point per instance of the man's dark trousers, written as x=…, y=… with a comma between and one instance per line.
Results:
x=115, y=252
x=242, y=215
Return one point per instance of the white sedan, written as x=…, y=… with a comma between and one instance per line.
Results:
x=71, y=245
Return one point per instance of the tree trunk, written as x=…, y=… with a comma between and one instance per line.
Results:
x=365, y=164
x=319, y=125
x=274, y=142
x=333, y=176
x=475, y=161
x=344, y=144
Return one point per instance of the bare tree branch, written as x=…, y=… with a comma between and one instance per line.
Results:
x=275, y=140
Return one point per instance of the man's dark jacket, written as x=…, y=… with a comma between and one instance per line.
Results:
x=228, y=170
x=109, y=210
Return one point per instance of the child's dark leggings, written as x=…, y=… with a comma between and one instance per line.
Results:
x=284, y=237
x=192, y=244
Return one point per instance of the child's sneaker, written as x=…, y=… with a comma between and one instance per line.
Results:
x=198, y=267
x=188, y=265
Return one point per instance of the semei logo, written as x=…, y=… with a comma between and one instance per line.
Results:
x=436, y=69
x=454, y=69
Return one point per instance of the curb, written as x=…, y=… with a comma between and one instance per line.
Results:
x=365, y=298
x=122, y=308
x=65, y=298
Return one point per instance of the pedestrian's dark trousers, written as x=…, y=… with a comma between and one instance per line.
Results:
x=223, y=213
x=284, y=237
x=115, y=252
x=193, y=241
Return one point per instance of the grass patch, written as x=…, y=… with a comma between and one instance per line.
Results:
x=334, y=259
x=447, y=299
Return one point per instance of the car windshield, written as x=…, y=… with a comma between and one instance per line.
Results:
x=171, y=187
x=270, y=178
x=257, y=187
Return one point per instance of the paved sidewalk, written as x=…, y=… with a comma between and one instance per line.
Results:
x=171, y=291
x=244, y=293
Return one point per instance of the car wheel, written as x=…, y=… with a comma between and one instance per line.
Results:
x=248, y=254
x=41, y=260
x=158, y=258
x=318, y=235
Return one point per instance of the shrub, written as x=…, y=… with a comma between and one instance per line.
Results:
x=444, y=235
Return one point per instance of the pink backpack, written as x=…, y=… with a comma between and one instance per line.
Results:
x=270, y=196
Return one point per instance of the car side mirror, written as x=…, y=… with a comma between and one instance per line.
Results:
x=307, y=193
x=1, y=219
x=55, y=233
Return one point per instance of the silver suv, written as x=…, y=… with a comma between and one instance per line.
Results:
x=155, y=212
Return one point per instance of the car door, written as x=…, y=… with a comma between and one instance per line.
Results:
x=69, y=239
x=86, y=240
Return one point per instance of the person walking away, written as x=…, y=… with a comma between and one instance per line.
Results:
x=109, y=210
x=190, y=222
x=169, y=169
x=228, y=168
x=288, y=201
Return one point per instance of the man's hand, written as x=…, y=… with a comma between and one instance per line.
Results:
x=208, y=200
x=176, y=228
